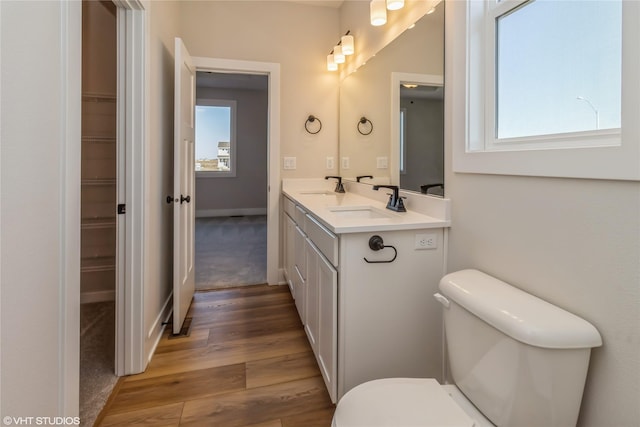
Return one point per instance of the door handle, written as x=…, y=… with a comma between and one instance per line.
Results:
x=170, y=199
x=185, y=199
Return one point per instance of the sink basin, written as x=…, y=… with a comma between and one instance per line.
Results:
x=319, y=192
x=363, y=212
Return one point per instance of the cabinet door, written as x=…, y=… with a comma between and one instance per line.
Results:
x=299, y=274
x=289, y=252
x=312, y=319
x=328, y=321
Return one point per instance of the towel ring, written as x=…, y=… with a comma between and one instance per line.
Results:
x=363, y=123
x=312, y=119
x=375, y=244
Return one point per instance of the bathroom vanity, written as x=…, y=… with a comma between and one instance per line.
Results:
x=367, y=313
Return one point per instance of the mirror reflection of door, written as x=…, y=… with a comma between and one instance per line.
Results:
x=421, y=138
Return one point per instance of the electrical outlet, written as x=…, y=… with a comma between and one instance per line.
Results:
x=329, y=162
x=382, y=162
x=345, y=163
x=426, y=241
x=289, y=162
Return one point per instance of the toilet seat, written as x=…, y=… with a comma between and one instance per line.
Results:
x=400, y=402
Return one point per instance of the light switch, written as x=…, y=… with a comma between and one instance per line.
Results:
x=289, y=162
x=382, y=162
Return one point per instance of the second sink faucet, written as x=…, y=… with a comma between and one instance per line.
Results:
x=395, y=201
x=339, y=187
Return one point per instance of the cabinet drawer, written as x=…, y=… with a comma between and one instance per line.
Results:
x=290, y=207
x=324, y=239
x=300, y=216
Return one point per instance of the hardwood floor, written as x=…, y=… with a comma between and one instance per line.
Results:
x=246, y=362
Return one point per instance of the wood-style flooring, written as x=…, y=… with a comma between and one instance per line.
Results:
x=246, y=362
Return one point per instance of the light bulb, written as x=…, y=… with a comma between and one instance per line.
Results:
x=338, y=56
x=395, y=4
x=331, y=65
x=347, y=45
x=378, y=12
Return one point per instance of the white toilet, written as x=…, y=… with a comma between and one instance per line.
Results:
x=515, y=359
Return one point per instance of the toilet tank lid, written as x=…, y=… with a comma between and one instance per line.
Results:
x=520, y=315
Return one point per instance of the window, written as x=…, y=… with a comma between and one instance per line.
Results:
x=558, y=68
x=550, y=87
x=215, y=153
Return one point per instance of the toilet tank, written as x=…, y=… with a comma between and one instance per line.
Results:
x=520, y=360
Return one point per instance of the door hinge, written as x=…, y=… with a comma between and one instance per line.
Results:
x=122, y=209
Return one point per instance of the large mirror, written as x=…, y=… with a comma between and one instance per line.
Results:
x=400, y=94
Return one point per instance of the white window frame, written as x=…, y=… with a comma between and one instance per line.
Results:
x=602, y=154
x=232, y=143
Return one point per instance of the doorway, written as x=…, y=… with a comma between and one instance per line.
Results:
x=270, y=71
x=98, y=200
x=231, y=147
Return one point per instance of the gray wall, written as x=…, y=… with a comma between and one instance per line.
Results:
x=248, y=189
x=425, y=142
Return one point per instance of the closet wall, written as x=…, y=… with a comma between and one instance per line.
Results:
x=98, y=209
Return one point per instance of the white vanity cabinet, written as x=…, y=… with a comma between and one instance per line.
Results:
x=313, y=277
x=366, y=320
x=289, y=251
x=389, y=324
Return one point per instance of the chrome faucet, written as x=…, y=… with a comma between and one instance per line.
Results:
x=395, y=201
x=339, y=187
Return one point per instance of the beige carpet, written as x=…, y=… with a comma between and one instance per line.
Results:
x=97, y=358
x=231, y=251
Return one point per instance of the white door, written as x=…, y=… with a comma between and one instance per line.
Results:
x=183, y=185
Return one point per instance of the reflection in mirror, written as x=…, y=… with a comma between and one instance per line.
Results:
x=419, y=136
x=416, y=56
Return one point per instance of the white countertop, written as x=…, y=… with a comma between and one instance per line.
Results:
x=319, y=199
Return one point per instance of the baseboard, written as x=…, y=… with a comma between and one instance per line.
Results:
x=282, y=279
x=206, y=213
x=97, y=296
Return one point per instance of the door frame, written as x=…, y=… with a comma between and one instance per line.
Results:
x=132, y=119
x=272, y=71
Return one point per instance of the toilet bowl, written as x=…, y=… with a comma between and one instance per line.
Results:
x=515, y=361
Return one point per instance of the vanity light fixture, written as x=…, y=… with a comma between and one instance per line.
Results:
x=337, y=55
x=430, y=11
x=378, y=12
x=395, y=4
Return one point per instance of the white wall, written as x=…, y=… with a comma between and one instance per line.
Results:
x=40, y=207
x=245, y=192
x=298, y=37
x=572, y=242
